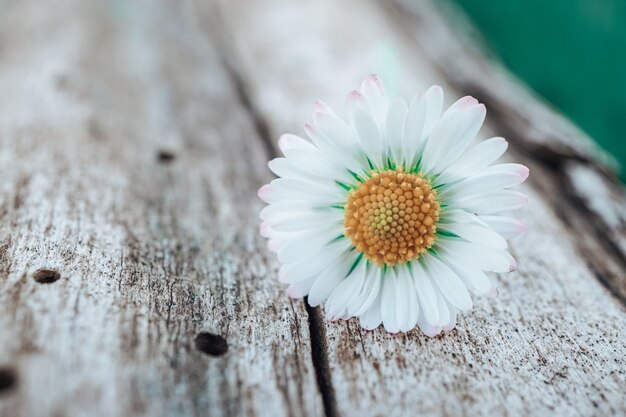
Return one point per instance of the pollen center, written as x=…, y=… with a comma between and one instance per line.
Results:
x=392, y=217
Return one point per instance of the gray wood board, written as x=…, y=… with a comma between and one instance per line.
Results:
x=130, y=168
x=134, y=136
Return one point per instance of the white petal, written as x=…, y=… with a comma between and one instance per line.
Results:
x=265, y=193
x=301, y=288
x=407, y=305
x=285, y=169
x=307, y=221
x=462, y=103
x=305, y=243
x=323, y=193
x=265, y=230
x=372, y=318
x=274, y=245
x=268, y=232
x=497, y=202
x=352, y=286
x=376, y=95
x=476, y=234
x=452, y=322
x=487, y=181
x=475, y=158
x=450, y=285
x=459, y=216
x=313, y=162
x=276, y=211
x=337, y=304
x=330, y=278
x=476, y=280
x=319, y=186
x=332, y=151
x=289, y=141
x=369, y=136
x=336, y=130
x=430, y=330
x=444, y=310
x=314, y=263
x=388, y=303
x=477, y=256
x=396, y=119
x=451, y=137
x=434, y=105
x=402, y=299
x=506, y=226
x=425, y=293
x=413, y=137
x=369, y=292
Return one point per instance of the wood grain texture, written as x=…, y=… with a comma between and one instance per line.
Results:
x=552, y=342
x=133, y=138
x=130, y=168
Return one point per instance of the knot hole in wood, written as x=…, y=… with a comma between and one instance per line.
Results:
x=8, y=380
x=165, y=156
x=211, y=344
x=46, y=276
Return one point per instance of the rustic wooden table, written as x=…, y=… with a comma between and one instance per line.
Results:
x=133, y=282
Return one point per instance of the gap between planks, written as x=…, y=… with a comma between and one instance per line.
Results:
x=317, y=332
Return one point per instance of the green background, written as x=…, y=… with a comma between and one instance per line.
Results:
x=573, y=52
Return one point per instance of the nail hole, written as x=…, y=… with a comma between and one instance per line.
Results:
x=46, y=276
x=211, y=344
x=165, y=156
x=7, y=379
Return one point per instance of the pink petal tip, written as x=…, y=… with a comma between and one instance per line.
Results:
x=285, y=142
x=524, y=172
x=355, y=97
x=494, y=293
x=264, y=230
x=467, y=102
x=273, y=245
x=449, y=327
x=264, y=192
x=432, y=331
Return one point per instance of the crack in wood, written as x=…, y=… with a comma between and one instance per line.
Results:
x=260, y=125
x=317, y=334
x=319, y=355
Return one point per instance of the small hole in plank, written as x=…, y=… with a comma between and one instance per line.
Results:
x=46, y=276
x=165, y=156
x=8, y=380
x=211, y=344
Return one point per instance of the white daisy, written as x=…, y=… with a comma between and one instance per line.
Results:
x=395, y=216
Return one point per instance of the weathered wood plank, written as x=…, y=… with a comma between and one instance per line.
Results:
x=552, y=342
x=131, y=169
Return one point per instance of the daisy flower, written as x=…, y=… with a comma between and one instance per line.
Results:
x=395, y=215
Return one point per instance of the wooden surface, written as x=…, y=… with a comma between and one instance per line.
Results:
x=133, y=282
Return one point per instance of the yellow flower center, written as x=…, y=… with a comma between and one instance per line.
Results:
x=392, y=217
